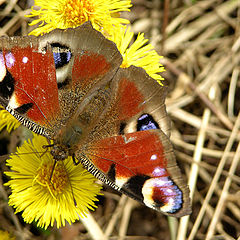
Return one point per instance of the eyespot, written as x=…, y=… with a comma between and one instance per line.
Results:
x=136, y=183
x=3, y=70
x=146, y=122
x=24, y=108
x=6, y=85
x=122, y=127
x=61, y=54
x=10, y=60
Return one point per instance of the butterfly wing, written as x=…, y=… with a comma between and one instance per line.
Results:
x=69, y=80
x=20, y=86
x=129, y=148
x=143, y=166
x=43, y=80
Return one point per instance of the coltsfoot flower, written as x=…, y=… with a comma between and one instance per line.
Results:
x=63, y=14
x=139, y=53
x=49, y=193
x=8, y=121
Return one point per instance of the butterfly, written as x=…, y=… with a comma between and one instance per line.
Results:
x=69, y=87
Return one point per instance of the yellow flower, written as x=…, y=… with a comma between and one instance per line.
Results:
x=48, y=194
x=72, y=13
x=4, y=235
x=8, y=121
x=139, y=53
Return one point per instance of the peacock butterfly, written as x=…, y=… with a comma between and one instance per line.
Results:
x=68, y=86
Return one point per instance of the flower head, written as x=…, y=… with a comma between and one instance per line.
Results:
x=139, y=53
x=8, y=121
x=45, y=193
x=72, y=13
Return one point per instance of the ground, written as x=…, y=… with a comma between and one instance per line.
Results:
x=200, y=42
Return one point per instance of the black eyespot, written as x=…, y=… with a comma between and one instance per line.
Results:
x=122, y=127
x=61, y=54
x=112, y=173
x=7, y=86
x=146, y=122
x=63, y=84
x=135, y=184
x=24, y=108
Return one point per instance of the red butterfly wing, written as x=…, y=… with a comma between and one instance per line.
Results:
x=142, y=165
x=43, y=80
x=114, y=120
x=23, y=84
x=140, y=161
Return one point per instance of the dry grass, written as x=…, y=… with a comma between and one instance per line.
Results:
x=201, y=45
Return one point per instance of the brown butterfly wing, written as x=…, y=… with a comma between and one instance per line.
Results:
x=113, y=119
x=43, y=80
x=129, y=148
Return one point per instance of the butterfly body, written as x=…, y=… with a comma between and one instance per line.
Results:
x=69, y=87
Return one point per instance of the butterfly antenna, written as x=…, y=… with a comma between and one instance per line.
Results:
x=25, y=153
x=48, y=146
x=35, y=104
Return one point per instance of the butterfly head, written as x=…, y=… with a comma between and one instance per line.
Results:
x=59, y=152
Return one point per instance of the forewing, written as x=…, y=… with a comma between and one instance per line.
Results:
x=43, y=80
x=28, y=84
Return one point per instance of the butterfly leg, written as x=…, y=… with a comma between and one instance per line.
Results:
x=51, y=175
x=76, y=162
x=46, y=148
